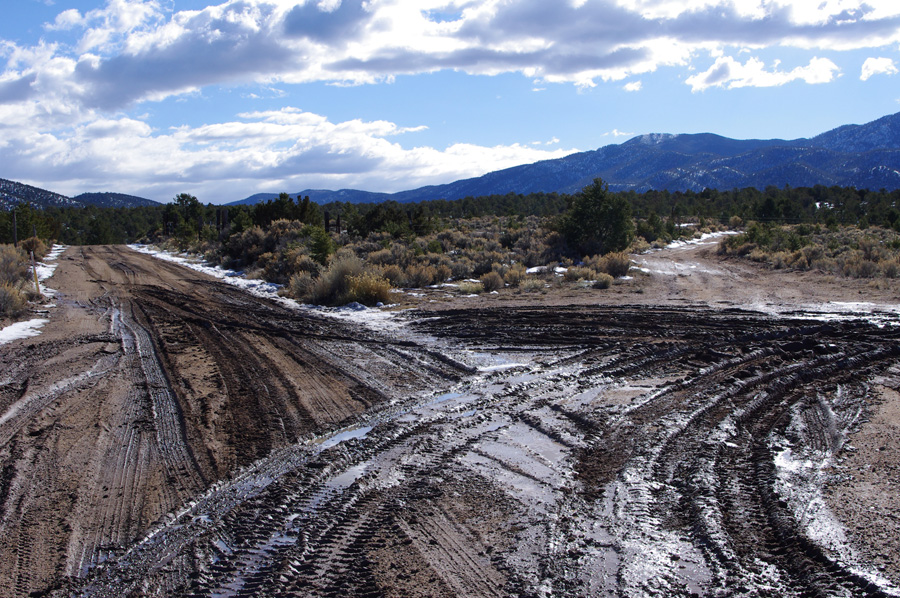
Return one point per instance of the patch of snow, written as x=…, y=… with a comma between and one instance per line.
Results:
x=705, y=239
x=21, y=330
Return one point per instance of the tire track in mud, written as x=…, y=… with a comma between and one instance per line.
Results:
x=611, y=463
x=129, y=419
x=628, y=451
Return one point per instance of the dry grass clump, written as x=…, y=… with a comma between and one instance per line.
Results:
x=604, y=281
x=14, y=272
x=515, y=274
x=35, y=245
x=418, y=275
x=13, y=265
x=532, y=284
x=468, y=287
x=369, y=289
x=344, y=281
x=576, y=273
x=615, y=264
x=12, y=300
x=492, y=281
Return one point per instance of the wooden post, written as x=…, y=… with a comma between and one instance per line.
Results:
x=37, y=286
x=15, y=230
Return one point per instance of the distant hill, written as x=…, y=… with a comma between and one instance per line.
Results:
x=13, y=193
x=862, y=156
x=320, y=196
x=114, y=200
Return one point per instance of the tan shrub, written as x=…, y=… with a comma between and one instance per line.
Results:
x=34, y=244
x=615, y=264
x=369, y=289
x=395, y=275
x=419, y=275
x=301, y=285
x=515, y=275
x=12, y=300
x=442, y=273
x=889, y=268
x=13, y=265
x=333, y=285
x=382, y=257
x=604, y=281
x=468, y=287
x=532, y=284
x=576, y=273
x=462, y=268
x=492, y=281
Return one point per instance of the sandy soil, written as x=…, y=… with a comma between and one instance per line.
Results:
x=708, y=427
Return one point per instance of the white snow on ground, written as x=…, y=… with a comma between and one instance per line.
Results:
x=559, y=270
x=20, y=330
x=704, y=239
x=32, y=327
x=46, y=268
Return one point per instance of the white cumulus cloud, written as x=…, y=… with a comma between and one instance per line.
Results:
x=877, y=66
x=731, y=74
x=291, y=147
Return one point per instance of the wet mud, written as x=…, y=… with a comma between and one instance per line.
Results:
x=178, y=437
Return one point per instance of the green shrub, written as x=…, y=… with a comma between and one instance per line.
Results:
x=492, y=281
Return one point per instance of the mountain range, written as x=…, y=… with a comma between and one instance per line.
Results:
x=862, y=156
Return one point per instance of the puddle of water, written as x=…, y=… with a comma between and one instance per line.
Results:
x=348, y=434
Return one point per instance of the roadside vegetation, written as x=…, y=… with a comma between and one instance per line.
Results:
x=853, y=252
x=340, y=252
x=16, y=277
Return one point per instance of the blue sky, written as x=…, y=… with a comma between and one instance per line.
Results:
x=226, y=99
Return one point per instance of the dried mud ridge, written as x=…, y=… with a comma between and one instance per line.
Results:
x=612, y=451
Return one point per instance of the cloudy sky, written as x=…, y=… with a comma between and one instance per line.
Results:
x=223, y=99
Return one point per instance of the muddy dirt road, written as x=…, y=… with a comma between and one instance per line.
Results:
x=169, y=435
x=152, y=382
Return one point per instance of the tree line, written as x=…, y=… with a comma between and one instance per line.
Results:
x=654, y=212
